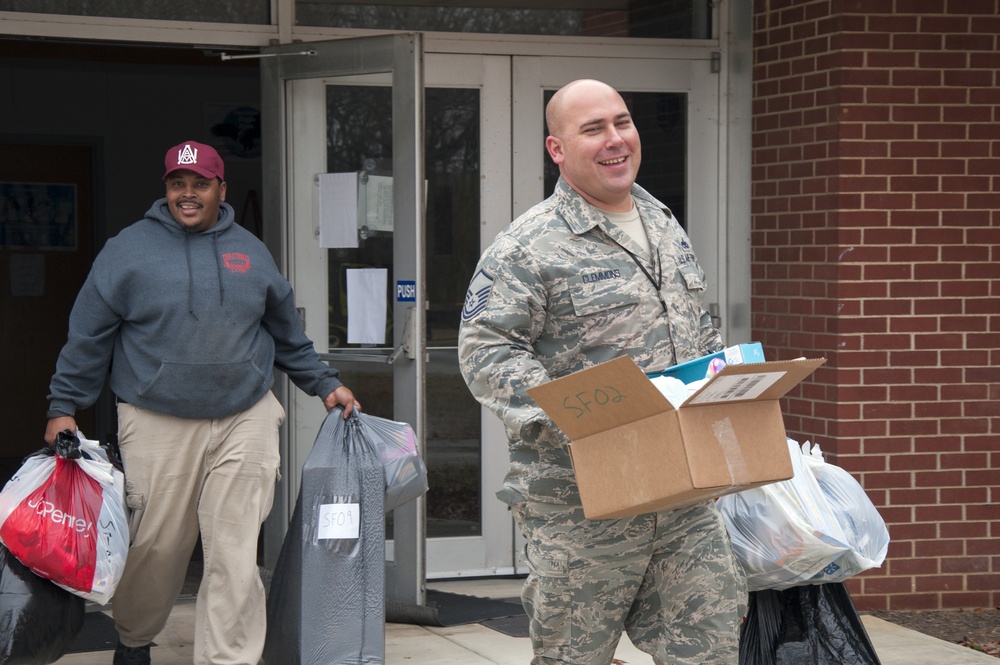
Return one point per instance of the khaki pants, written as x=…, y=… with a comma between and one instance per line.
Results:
x=187, y=477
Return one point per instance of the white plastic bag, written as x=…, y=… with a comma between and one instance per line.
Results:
x=63, y=516
x=396, y=445
x=816, y=528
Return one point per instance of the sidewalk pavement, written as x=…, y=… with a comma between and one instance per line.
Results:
x=474, y=644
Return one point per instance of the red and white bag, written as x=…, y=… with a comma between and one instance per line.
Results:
x=65, y=520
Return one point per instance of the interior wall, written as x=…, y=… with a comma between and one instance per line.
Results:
x=132, y=104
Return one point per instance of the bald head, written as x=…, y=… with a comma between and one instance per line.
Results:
x=566, y=97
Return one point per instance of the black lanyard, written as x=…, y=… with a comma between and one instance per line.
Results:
x=658, y=282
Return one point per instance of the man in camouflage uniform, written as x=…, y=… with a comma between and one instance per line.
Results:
x=598, y=270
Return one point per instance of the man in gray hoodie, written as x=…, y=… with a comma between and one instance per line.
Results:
x=186, y=314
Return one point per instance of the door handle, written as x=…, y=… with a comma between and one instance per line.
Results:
x=713, y=311
x=405, y=344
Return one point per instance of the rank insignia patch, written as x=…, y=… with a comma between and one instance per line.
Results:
x=478, y=295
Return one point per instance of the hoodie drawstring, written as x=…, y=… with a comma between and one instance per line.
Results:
x=218, y=267
x=187, y=252
x=218, y=271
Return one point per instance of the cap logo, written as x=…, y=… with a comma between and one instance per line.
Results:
x=193, y=156
x=187, y=155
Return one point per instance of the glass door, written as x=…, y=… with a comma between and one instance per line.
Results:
x=345, y=148
x=675, y=106
x=467, y=162
x=342, y=134
x=485, y=164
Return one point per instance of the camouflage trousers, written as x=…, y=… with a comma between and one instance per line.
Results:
x=668, y=579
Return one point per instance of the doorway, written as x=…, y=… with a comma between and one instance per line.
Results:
x=458, y=161
x=47, y=239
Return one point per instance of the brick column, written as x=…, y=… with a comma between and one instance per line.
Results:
x=876, y=243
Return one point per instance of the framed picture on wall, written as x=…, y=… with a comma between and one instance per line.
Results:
x=38, y=215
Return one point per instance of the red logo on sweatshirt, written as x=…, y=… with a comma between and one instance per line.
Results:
x=236, y=262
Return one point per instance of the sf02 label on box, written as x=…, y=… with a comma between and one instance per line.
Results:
x=587, y=401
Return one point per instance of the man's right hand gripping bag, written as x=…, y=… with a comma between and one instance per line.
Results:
x=326, y=602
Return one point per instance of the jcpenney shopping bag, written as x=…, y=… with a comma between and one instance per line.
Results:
x=63, y=516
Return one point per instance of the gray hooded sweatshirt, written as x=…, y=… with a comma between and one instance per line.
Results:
x=191, y=324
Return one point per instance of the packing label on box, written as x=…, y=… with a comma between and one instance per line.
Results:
x=733, y=388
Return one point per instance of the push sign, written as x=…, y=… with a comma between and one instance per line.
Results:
x=406, y=290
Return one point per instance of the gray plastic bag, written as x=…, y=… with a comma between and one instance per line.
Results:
x=326, y=604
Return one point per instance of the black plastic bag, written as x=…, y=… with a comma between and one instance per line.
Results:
x=326, y=603
x=815, y=624
x=38, y=620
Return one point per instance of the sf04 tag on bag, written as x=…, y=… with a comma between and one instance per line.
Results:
x=63, y=516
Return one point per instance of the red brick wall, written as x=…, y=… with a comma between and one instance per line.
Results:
x=876, y=243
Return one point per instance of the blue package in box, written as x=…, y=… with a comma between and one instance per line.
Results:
x=692, y=370
x=744, y=354
x=696, y=370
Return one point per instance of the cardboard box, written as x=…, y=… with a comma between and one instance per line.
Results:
x=634, y=453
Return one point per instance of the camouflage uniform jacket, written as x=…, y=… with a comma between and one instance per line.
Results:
x=557, y=292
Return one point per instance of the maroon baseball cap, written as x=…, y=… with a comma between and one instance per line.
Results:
x=194, y=156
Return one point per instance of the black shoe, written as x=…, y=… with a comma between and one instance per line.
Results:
x=131, y=655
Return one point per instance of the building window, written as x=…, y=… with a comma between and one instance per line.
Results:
x=255, y=12
x=661, y=19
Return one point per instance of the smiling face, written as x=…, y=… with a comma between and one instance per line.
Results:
x=594, y=143
x=193, y=200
